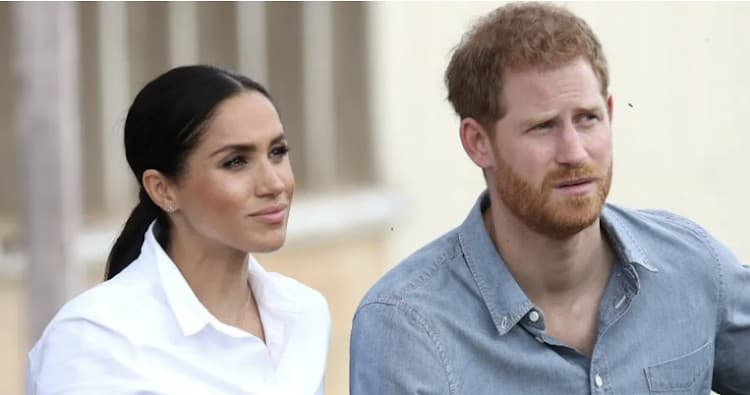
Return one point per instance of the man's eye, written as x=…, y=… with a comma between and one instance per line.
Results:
x=590, y=117
x=543, y=126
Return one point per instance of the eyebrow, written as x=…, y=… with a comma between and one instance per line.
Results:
x=590, y=109
x=246, y=147
x=535, y=120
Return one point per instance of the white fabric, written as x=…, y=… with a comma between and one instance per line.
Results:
x=145, y=332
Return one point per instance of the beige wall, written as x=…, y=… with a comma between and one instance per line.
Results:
x=12, y=338
x=681, y=146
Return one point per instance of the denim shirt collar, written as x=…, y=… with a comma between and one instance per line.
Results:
x=504, y=298
x=622, y=240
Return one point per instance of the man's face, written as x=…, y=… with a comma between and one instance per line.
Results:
x=552, y=151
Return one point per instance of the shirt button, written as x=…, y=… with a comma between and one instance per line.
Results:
x=533, y=316
x=504, y=323
x=598, y=381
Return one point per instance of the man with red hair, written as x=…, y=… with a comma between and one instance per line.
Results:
x=545, y=288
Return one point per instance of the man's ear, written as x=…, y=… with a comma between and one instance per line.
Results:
x=610, y=108
x=476, y=142
x=160, y=190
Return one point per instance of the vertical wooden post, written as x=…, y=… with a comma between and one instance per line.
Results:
x=252, y=37
x=183, y=33
x=114, y=96
x=319, y=95
x=45, y=61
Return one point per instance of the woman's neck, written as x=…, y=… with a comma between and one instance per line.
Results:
x=219, y=277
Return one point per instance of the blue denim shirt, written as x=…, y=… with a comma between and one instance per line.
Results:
x=450, y=319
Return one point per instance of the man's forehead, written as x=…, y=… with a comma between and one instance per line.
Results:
x=537, y=85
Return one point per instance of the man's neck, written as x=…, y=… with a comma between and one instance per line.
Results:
x=564, y=278
x=551, y=272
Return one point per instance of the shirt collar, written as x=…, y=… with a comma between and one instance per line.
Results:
x=190, y=313
x=269, y=290
x=622, y=239
x=504, y=298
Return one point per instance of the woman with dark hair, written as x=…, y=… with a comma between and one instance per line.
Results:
x=186, y=309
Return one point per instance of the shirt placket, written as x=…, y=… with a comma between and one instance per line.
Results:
x=620, y=292
x=616, y=301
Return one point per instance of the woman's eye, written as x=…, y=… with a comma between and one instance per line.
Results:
x=233, y=163
x=280, y=151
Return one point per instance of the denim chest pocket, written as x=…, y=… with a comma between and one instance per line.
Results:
x=682, y=375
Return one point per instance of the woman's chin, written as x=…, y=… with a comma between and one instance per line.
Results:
x=265, y=246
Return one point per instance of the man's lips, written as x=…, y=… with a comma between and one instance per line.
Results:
x=575, y=182
x=578, y=186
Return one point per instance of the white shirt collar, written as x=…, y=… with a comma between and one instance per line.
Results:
x=190, y=313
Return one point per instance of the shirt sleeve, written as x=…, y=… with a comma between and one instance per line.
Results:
x=732, y=360
x=77, y=356
x=394, y=351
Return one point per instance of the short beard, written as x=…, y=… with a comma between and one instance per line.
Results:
x=557, y=218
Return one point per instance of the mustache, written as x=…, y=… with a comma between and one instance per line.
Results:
x=567, y=174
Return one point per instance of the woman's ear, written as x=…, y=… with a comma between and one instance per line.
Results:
x=476, y=142
x=160, y=190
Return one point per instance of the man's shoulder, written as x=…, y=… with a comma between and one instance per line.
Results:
x=411, y=277
x=652, y=222
x=665, y=239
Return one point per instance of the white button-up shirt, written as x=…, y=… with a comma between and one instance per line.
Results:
x=145, y=332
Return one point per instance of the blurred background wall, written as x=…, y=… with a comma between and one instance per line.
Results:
x=376, y=153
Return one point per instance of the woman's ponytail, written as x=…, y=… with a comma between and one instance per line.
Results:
x=127, y=247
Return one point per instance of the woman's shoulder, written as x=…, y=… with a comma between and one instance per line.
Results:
x=300, y=295
x=112, y=316
x=117, y=307
x=119, y=298
x=284, y=292
x=87, y=343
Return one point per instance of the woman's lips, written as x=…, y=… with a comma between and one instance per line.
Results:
x=271, y=215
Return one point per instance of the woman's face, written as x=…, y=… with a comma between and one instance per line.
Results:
x=238, y=183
